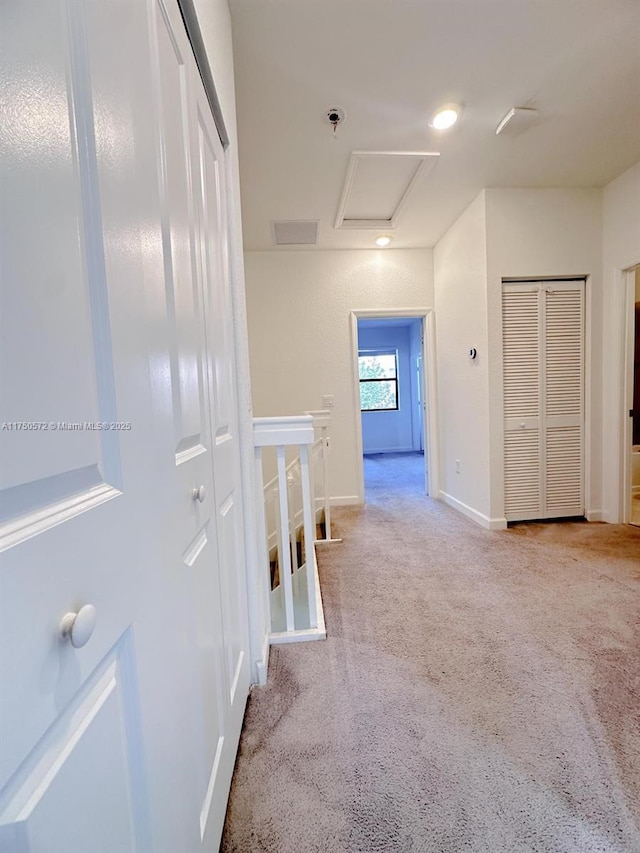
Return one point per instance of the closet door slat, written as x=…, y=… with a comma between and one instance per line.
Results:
x=520, y=342
x=564, y=399
x=522, y=474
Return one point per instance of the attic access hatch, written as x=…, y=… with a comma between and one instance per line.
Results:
x=377, y=186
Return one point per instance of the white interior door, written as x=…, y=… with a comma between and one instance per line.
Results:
x=194, y=548
x=75, y=499
x=543, y=366
x=205, y=445
x=110, y=316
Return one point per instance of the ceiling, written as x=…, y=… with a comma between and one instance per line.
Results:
x=389, y=64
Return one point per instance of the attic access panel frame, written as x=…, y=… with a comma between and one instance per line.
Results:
x=425, y=161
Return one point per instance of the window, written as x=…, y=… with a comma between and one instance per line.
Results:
x=378, y=372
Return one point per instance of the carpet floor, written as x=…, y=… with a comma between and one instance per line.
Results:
x=478, y=691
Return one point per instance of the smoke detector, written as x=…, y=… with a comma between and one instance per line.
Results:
x=335, y=116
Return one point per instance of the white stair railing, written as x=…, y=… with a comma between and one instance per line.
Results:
x=320, y=472
x=287, y=517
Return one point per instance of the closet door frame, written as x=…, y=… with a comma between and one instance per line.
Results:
x=542, y=284
x=626, y=396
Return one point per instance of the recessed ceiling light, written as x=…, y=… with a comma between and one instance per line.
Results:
x=383, y=240
x=445, y=116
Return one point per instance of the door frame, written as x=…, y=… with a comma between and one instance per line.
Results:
x=430, y=422
x=194, y=35
x=417, y=382
x=627, y=278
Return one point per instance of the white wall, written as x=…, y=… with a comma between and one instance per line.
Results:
x=460, y=269
x=392, y=431
x=299, y=305
x=507, y=233
x=621, y=250
x=545, y=233
x=215, y=24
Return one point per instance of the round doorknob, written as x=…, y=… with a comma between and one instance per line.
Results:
x=199, y=494
x=79, y=627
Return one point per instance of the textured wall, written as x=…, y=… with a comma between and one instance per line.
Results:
x=463, y=384
x=506, y=233
x=545, y=233
x=299, y=305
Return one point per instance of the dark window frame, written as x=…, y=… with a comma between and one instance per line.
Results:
x=380, y=351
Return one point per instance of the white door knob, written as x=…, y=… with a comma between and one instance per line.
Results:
x=78, y=627
x=199, y=494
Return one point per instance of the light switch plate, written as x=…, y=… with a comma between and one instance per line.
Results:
x=328, y=401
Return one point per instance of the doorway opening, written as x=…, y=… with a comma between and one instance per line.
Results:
x=632, y=398
x=394, y=381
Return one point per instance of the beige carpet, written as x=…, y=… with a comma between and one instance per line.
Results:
x=477, y=691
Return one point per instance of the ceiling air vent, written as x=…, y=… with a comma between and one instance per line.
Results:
x=517, y=120
x=295, y=233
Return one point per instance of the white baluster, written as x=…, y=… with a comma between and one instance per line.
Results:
x=261, y=530
x=325, y=482
x=284, y=553
x=292, y=519
x=309, y=534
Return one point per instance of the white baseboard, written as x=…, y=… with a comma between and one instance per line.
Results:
x=594, y=515
x=345, y=500
x=473, y=514
x=304, y=636
x=409, y=449
x=262, y=665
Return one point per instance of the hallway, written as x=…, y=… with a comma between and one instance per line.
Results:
x=477, y=691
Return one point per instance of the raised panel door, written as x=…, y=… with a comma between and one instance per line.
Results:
x=75, y=414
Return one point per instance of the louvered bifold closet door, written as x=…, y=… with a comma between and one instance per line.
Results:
x=563, y=398
x=543, y=367
x=521, y=330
